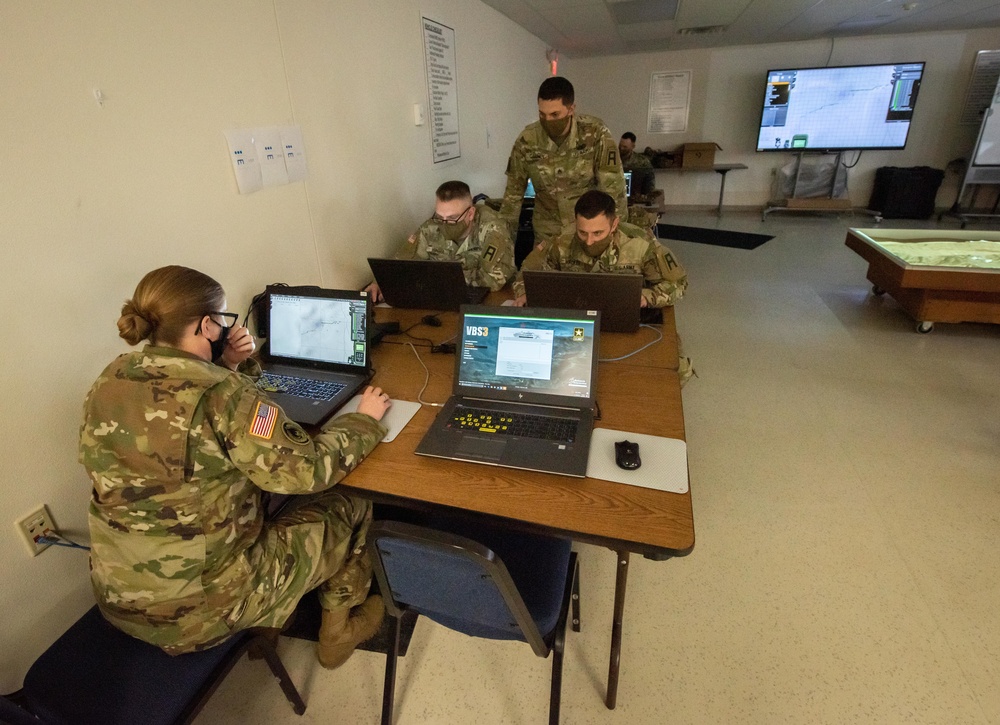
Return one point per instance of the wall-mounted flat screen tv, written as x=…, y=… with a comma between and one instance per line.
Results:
x=838, y=109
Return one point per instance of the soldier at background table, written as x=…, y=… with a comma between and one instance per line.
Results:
x=601, y=243
x=459, y=230
x=644, y=200
x=643, y=179
x=564, y=154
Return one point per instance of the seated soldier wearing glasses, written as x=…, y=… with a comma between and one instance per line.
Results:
x=460, y=230
x=180, y=446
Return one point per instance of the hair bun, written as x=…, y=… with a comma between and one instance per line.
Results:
x=134, y=326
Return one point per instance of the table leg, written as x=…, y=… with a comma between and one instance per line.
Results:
x=621, y=578
x=722, y=189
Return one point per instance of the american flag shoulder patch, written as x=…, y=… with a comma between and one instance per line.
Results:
x=263, y=420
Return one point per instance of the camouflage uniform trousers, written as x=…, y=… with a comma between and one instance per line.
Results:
x=318, y=541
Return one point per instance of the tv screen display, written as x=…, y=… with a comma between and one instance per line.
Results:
x=838, y=109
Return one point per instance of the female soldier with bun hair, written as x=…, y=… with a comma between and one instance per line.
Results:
x=179, y=443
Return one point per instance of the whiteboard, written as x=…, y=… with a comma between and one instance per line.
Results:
x=988, y=149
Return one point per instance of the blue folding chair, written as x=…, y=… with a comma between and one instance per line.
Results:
x=465, y=586
x=96, y=674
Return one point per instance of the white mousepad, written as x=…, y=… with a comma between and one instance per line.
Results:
x=395, y=419
x=664, y=461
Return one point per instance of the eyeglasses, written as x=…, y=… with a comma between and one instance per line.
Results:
x=456, y=220
x=229, y=318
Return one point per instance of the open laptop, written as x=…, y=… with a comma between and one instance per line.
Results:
x=524, y=390
x=316, y=357
x=424, y=284
x=615, y=295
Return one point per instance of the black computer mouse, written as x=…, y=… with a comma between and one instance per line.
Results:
x=627, y=455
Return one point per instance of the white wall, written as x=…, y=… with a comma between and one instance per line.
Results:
x=728, y=87
x=92, y=198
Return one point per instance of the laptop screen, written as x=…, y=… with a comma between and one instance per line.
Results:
x=529, y=192
x=319, y=329
x=628, y=183
x=524, y=352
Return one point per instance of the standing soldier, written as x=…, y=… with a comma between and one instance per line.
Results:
x=564, y=155
x=472, y=234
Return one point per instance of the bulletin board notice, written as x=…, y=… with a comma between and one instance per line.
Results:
x=442, y=89
x=669, y=99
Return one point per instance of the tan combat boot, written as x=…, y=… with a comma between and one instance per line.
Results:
x=341, y=631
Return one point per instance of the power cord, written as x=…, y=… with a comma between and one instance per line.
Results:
x=427, y=379
x=56, y=540
x=659, y=336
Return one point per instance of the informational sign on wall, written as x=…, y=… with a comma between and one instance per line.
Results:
x=669, y=99
x=985, y=74
x=442, y=89
x=264, y=157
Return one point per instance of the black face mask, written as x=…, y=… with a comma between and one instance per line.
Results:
x=218, y=346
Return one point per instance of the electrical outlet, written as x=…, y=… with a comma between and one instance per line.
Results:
x=33, y=525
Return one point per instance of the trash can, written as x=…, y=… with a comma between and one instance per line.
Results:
x=905, y=193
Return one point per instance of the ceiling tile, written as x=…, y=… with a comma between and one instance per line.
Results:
x=597, y=27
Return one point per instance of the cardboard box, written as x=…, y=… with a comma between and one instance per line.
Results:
x=697, y=155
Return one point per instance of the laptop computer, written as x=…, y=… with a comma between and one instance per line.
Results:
x=615, y=295
x=316, y=357
x=524, y=390
x=424, y=284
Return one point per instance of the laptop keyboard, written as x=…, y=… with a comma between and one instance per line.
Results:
x=515, y=424
x=299, y=387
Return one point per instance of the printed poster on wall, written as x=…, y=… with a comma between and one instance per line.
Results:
x=669, y=98
x=442, y=89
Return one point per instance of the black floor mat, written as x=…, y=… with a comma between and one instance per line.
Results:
x=718, y=237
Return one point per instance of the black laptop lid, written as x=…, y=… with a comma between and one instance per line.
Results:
x=528, y=355
x=616, y=295
x=423, y=284
x=318, y=328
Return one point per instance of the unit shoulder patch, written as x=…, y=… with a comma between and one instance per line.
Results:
x=294, y=433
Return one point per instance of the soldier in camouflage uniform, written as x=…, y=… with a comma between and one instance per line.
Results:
x=179, y=450
x=601, y=243
x=460, y=230
x=643, y=177
x=564, y=155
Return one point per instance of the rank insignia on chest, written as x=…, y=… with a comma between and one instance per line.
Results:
x=490, y=253
x=263, y=420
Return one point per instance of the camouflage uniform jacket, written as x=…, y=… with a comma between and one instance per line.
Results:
x=486, y=254
x=178, y=450
x=631, y=250
x=586, y=159
x=643, y=176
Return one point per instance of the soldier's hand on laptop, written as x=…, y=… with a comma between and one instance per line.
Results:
x=239, y=346
x=373, y=292
x=521, y=301
x=643, y=302
x=374, y=402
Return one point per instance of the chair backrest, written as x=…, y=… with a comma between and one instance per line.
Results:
x=453, y=580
